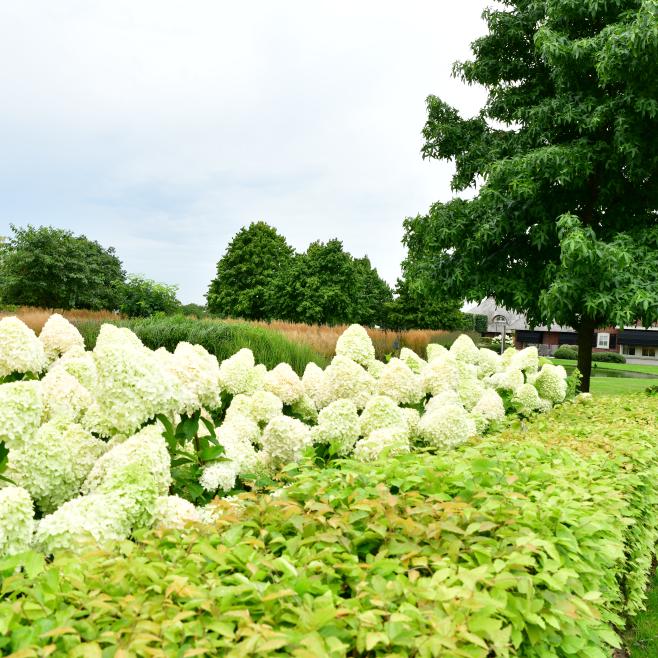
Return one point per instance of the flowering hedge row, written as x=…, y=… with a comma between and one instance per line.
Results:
x=94, y=438
x=533, y=542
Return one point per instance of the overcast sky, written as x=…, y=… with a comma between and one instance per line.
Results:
x=162, y=127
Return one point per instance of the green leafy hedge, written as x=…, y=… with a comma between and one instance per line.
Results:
x=223, y=339
x=536, y=542
x=568, y=352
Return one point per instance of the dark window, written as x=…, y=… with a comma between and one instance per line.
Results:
x=529, y=337
x=638, y=337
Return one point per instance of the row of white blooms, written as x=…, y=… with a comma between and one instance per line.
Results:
x=79, y=449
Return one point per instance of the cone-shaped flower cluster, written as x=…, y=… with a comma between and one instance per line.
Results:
x=88, y=456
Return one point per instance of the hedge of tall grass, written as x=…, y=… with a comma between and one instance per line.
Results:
x=219, y=338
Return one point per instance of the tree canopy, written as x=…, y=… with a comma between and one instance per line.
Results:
x=326, y=285
x=418, y=308
x=564, y=160
x=245, y=272
x=53, y=268
x=142, y=297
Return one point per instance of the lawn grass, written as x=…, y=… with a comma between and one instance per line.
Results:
x=642, y=639
x=629, y=367
x=619, y=385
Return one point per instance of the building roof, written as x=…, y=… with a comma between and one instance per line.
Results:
x=513, y=321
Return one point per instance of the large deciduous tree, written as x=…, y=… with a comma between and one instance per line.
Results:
x=245, y=272
x=564, y=158
x=321, y=286
x=141, y=297
x=52, y=268
x=420, y=308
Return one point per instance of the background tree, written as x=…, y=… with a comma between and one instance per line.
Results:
x=52, y=268
x=565, y=155
x=141, y=297
x=245, y=272
x=371, y=293
x=317, y=287
x=416, y=307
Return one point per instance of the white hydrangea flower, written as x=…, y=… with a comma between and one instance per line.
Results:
x=507, y=380
x=241, y=405
x=584, y=398
x=507, y=357
x=64, y=396
x=376, y=368
x=390, y=440
x=198, y=372
x=412, y=417
x=381, y=411
x=464, y=349
x=526, y=360
x=470, y=389
x=489, y=362
x=412, y=360
x=526, y=398
x=238, y=446
x=21, y=409
x=355, y=344
x=305, y=410
x=256, y=379
x=79, y=364
x=436, y=351
x=16, y=520
x=55, y=463
x=439, y=374
x=313, y=381
x=58, y=336
x=551, y=383
x=220, y=476
x=285, y=439
x=185, y=401
x=441, y=400
x=490, y=407
x=544, y=405
x=561, y=371
x=20, y=349
x=285, y=383
x=447, y=427
x=265, y=406
x=98, y=517
x=346, y=379
x=147, y=448
x=400, y=383
x=236, y=373
x=245, y=427
x=132, y=387
x=338, y=424
x=175, y=512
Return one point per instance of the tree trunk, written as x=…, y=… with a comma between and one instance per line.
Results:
x=585, y=331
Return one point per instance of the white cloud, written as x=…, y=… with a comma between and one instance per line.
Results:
x=163, y=127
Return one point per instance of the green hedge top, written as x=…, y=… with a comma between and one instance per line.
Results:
x=534, y=542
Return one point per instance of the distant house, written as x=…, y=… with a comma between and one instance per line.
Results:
x=633, y=342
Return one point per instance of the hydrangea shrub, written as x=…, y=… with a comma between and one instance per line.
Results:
x=104, y=442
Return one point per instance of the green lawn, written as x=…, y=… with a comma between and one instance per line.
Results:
x=620, y=385
x=642, y=639
x=612, y=366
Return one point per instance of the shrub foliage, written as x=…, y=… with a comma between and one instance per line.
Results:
x=534, y=542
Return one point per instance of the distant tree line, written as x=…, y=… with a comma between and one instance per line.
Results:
x=52, y=268
x=261, y=277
